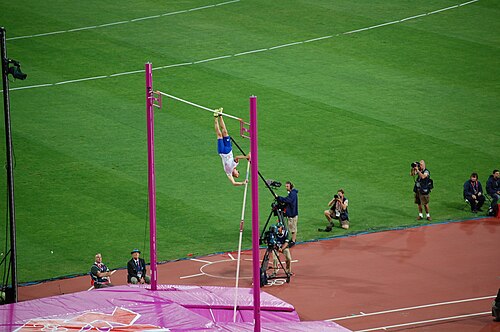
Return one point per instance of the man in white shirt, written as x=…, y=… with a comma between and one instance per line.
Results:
x=225, y=150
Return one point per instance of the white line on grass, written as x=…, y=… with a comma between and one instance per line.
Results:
x=319, y=38
x=250, y=52
x=122, y=22
x=82, y=79
x=236, y=54
x=286, y=45
x=411, y=308
x=426, y=321
x=212, y=59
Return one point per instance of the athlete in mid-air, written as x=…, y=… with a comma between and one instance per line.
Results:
x=225, y=150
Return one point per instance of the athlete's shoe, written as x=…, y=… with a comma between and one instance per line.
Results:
x=327, y=229
x=218, y=112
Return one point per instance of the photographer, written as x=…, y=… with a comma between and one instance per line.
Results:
x=282, y=246
x=292, y=210
x=473, y=193
x=422, y=187
x=338, y=210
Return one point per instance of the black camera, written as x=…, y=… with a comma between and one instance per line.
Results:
x=15, y=70
x=335, y=196
x=270, y=236
x=277, y=207
x=415, y=164
x=273, y=183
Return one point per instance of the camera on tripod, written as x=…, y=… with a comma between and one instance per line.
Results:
x=270, y=236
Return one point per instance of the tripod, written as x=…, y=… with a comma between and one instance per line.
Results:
x=276, y=210
x=265, y=263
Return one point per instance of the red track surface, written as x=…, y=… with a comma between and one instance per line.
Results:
x=344, y=277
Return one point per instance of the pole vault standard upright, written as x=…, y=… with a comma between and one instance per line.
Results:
x=255, y=212
x=151, y=174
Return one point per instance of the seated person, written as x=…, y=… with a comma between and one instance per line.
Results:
x=136, y=268
x=100, y=273
x=473, y=193
x=338, y=210
x=282, y=246
x=493, y=189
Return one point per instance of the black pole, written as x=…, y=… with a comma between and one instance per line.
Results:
x=262, y=178
x=12, y=297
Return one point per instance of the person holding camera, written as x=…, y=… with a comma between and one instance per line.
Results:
x=282, y=246
x=225, y=150
x=338, y=210
x=493, y=189
x=422, y=187
x=473, y=193
x=292, y=210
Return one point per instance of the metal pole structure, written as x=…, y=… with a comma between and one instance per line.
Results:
x=10, y=169
x=255, y=212
x=151, y=174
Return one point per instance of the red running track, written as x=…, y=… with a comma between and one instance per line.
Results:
x=441, y=277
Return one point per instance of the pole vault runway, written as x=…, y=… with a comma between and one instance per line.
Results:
x=441, y=277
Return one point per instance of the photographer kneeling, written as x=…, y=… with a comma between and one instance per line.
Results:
x=338, y=210
x=281, y=246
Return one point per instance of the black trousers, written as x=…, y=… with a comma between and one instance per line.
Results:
x=473, y=205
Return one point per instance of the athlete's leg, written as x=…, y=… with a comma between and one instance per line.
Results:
x=223, y=127
x=217, y=129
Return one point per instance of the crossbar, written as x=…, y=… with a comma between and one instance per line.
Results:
x=196, y=105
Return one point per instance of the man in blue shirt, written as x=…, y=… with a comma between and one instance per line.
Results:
x=292, y=210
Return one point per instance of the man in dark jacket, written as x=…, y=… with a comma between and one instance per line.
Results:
x=473, y=193
x=292, y=210
x=493, y=189
x=136, y=268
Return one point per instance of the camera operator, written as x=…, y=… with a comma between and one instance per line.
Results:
x=473, y=193
x=282, y=246
x=338, y=210
x=292, y=210
x=422, y=187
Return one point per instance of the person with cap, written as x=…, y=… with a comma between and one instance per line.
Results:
x=136, y=268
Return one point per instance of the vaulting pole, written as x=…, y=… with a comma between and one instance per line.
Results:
x=255, y=211
x=151, y=174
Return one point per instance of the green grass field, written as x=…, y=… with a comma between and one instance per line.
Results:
x=351, y=111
